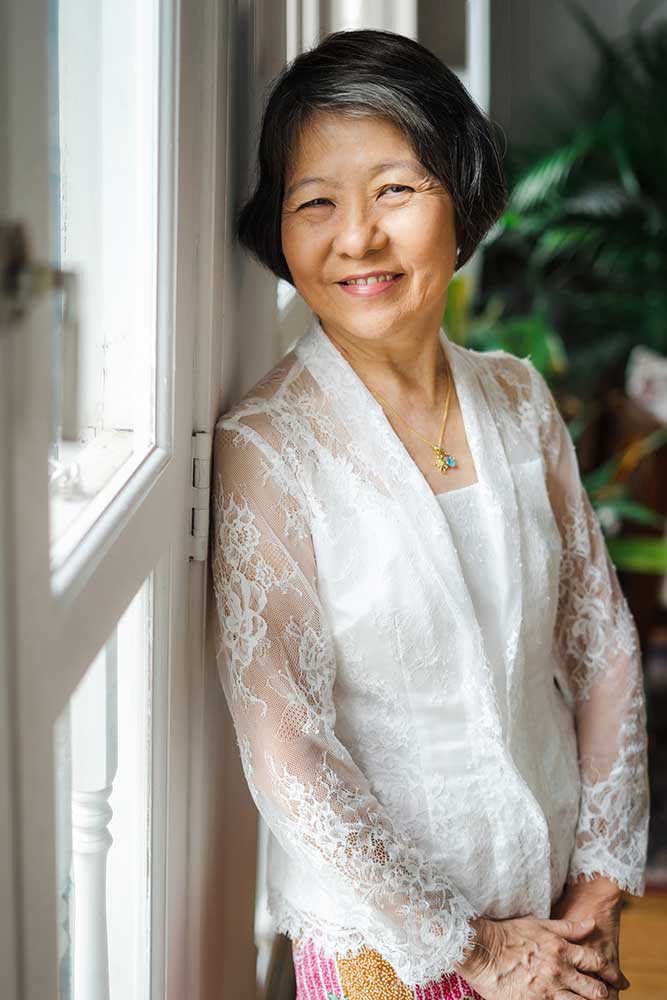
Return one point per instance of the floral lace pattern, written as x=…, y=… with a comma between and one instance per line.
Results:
x=347, y=632
x=278, y=682
x=597, y=647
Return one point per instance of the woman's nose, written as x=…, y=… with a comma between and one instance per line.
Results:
x=358, y=232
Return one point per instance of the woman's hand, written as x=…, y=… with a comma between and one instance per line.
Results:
x=600, y=899
x=535, y=959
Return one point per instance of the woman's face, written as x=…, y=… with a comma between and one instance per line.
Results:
x=356, y=202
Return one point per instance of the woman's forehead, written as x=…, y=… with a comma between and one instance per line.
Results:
x=375, y=142
x=326, y=127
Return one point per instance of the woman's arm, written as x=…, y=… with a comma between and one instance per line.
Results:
x=277, y=667
x=598, y=653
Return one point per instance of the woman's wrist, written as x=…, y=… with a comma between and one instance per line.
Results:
x=477, y=953
x=599, y=890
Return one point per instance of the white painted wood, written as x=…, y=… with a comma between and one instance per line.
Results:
x=477, y=82
x=389, y=15
x=62, y=746
x=58, y=622
x=314, y=19
x=293, y=28
x=245, y=46
x=28, y=429
x=478, y=51
x=94, y=739
x=9, y=888
x=9, y=924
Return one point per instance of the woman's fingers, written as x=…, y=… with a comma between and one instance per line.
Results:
x=584, y=986
x=586, y=958
x=566, y=994
x=612, y=974
x=591, y=959
x=571, y=930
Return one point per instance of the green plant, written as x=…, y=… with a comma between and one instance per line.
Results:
x=607, y=484
x=491, y=329
x=574, y=270
x=607, y=490
x=584, y=236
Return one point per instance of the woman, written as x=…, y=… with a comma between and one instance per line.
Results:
x=433, y=675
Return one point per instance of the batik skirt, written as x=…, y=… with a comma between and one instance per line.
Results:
x=367, y=976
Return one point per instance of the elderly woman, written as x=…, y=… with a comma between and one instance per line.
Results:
x=433, y=675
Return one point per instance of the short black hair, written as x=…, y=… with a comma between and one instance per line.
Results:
x=387, y=75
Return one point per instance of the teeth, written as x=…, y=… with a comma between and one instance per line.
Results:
x=374, y=278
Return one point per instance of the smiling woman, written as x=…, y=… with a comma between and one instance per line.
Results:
x=438, y=699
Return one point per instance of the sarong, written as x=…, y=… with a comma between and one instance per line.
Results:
x=367, y=976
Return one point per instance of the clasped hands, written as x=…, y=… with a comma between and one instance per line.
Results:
x=571, y=955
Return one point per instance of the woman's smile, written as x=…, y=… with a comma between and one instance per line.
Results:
x=372, y=285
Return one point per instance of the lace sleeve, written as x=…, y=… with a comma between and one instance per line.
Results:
x=277, y=667
x=597, y=648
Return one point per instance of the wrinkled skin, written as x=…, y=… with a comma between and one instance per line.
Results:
x=600, y=899
x=534, y=959
x=572, y=955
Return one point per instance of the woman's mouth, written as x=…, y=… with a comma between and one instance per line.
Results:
x=367, y=288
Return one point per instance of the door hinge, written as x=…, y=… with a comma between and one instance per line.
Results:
x=201, y=494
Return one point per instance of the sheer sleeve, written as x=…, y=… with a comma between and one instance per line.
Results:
x=597, y=649
x=277, y=666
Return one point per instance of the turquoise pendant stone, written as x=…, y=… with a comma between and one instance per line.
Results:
x=442, y=460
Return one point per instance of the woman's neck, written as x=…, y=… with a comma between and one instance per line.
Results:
x=408, y=368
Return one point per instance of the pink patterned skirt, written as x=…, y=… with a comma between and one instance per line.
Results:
x=367, y=976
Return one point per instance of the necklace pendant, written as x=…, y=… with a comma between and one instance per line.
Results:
x=443, y=461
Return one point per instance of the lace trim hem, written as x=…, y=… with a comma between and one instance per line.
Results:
x=331, y=939
x=632, y=880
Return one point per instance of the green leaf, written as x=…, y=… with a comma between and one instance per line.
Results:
x=547, y=176
x=602, y=476
x=639, y=554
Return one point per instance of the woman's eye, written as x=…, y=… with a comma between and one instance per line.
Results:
x=316, y=202
x=309, y=204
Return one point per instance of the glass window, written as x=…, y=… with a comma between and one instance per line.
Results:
x=103, y=166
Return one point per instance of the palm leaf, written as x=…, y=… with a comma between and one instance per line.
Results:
x=639, y=554
x=547, y=176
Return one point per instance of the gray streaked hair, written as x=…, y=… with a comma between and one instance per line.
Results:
x=381, y=74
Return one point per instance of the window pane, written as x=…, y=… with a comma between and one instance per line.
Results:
x=103, y=796
x=103, y=162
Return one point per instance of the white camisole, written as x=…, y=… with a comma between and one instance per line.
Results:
x=469, y=527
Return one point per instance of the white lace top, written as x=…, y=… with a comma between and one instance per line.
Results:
x=390, y=658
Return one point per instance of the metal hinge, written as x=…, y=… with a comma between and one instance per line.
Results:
x=201, y=494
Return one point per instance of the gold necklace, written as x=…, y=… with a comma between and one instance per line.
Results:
x=443, y=461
